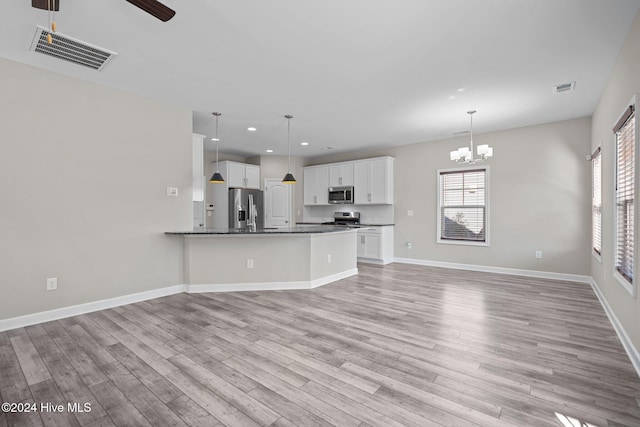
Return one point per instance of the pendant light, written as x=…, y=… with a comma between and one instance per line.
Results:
x=217, y=176
x=465, y=154
x=288, y=178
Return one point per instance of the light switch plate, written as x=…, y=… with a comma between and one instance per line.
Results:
x=172, y=191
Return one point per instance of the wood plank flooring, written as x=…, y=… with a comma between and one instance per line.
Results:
x=398, y=345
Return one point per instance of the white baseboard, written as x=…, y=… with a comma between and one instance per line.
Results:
x=632, y=352
x=270, y=286
x=75, y=310
x=499, y=270
x=375, y=261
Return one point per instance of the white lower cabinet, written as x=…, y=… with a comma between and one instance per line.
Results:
x=375, y=244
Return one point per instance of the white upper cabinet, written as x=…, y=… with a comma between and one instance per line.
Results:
x=241, y=175
x=316, y=185
x=341, y=174
x=373, y=181
x=198, y=167
x=252, y=176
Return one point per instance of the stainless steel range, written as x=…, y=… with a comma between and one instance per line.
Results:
x=347, y=219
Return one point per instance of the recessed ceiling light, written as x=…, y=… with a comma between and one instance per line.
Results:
x=304, y=143
x=251, y=129
x=215, y=139
x=269, y=150
x=461, y=89
x=452, y=97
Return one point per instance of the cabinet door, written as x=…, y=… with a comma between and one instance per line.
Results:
x=322, y=185
x=252, y=176
x=316, y=185
x=347, y=174
x=372, y=246
x=369, y=245
x=361, y=193
x=378, y=181
x=236, y=175
x=335, y=177
x=198, y=168
x=361, y=244
x=309, y=186
x=341, y=175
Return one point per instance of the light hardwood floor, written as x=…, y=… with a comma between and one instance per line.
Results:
x=393, y=346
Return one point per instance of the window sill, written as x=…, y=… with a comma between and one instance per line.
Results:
x=462, y=242
x=625, y=283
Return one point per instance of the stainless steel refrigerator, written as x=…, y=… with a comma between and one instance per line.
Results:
x=246, y=208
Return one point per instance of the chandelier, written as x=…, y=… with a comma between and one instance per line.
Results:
x=465, y=154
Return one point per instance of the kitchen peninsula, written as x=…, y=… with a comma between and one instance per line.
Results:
x=302, y=257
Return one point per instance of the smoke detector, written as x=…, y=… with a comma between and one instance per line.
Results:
x=71, y=50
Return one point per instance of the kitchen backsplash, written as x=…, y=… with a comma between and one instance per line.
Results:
x=369, y=214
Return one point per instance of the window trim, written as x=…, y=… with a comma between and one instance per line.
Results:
x=629, y=286
x=594, y=252
x=439, y=173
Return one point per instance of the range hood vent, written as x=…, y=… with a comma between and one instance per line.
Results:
x=71, y=50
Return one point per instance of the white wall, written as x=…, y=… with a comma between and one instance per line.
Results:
x=83, y=173
x=539, y=198
x=623, y=83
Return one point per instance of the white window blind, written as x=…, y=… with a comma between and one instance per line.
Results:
x=596, y=201
x=463, y=205
x=625, y=193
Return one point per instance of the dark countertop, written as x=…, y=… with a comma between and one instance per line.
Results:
x=359, y=225
x=300, y=229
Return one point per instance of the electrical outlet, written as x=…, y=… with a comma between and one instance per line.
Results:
x=538, y=254
x=52, y=283
x=408, y=245
x=250, y=263
x=329, y=258
x=172, y=191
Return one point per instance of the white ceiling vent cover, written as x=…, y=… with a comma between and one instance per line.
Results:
x=564, y=87
x=71, y=50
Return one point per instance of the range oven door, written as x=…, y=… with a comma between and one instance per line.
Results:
x=340, y=195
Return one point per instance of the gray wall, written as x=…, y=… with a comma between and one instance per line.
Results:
x=84, y=171
x=622, y=85
x=539, y=198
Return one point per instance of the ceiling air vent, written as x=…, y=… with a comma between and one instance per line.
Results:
x=71, y=50
x=564, y=87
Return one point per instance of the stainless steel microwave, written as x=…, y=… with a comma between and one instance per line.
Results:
x=340, y=195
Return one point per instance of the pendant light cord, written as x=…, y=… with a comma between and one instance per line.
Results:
x=217, y=143
x=471, y=134
x=289, y=141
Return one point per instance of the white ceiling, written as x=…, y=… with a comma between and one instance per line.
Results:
x=353, y=73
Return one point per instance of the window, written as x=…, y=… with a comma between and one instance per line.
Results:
x=596, y=201
x=462, y=206
x=625, y=141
